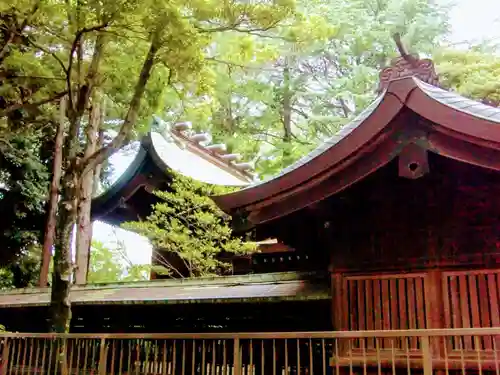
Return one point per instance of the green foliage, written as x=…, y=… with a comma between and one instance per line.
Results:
x=124, y=54
x=23, y=271
x=234, y=68
x=109, y=265
x=321, y=68
x=474, y=73
x=187, y=223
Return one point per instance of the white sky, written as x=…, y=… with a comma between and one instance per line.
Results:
x=471, y=20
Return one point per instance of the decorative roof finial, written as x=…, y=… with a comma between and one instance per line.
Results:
x=407, y=65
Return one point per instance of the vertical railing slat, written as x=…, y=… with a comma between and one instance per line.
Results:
x=494, y=299
x=102, y=357
x=484, y=307
x=426, y=354
x=386, y=310
x=369, y=311
x=420, y=300
x=237, y=357
x=5, y=357
x=411, y=308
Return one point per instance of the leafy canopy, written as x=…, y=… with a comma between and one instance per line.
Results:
x=274, y=95
x=474, y=73
x=111, y=264
x=187, y=223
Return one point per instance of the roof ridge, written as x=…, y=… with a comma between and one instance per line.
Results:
x=267, y=278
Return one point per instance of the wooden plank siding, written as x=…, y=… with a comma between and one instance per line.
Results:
x=388, y=302
x=433, y=299
x=471, y=300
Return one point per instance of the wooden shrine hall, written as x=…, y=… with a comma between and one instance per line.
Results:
x=179, y=149
x=400, y=210
x=277, y=279
x=404, y=202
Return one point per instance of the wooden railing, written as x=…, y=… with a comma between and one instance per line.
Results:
x=254, y=353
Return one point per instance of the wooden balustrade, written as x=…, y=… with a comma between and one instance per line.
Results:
x=253, y=353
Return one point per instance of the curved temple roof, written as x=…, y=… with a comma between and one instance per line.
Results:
x=149, y=170
x=192, y=160
x=408, y=110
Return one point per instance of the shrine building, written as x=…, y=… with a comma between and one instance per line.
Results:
x=389, y=256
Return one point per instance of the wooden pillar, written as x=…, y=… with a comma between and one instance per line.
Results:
x=435, y=310
x=340, y=319
x=434, y=299
x=339, y=310
x=433, y=285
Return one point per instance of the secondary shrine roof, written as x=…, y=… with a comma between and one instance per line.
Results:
x=288, y=286
x=410, y=109
x=130, y=197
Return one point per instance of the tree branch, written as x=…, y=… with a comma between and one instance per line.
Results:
x=300, y=112
x=166, y=263
x=74, y=46
x=123, y=136
x=5, y=46
x=17, y=106
x=44, y=50
x=18, y=31
x=234, y=27
x=20, y=77
x=229, y=63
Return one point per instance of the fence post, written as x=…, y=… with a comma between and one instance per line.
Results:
x=426, y=355
x=237, y=357
x=103, y=356
x=4, y=364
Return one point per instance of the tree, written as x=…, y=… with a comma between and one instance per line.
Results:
x=111, y=264
x=23, y=187
x=187, y=223
x=270, y=83
x=81, y=47
x=474, y=73
x=23, y=271
x=307, y=78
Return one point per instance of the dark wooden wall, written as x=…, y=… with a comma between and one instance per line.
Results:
x=285, y=316
x=412, y=254
x=450, y=217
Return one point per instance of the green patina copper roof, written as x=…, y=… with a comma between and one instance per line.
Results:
x=248, y=288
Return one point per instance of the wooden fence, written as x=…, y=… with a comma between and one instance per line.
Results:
x=346, y=352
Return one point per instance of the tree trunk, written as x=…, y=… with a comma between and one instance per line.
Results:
x=61, y=278
x=98, y=168
x=50, y=228
x=70, y=192
x=84, y=223
x=68, y=206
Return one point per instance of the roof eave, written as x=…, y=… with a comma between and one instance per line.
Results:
x=471, y=136
x=353, y=142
